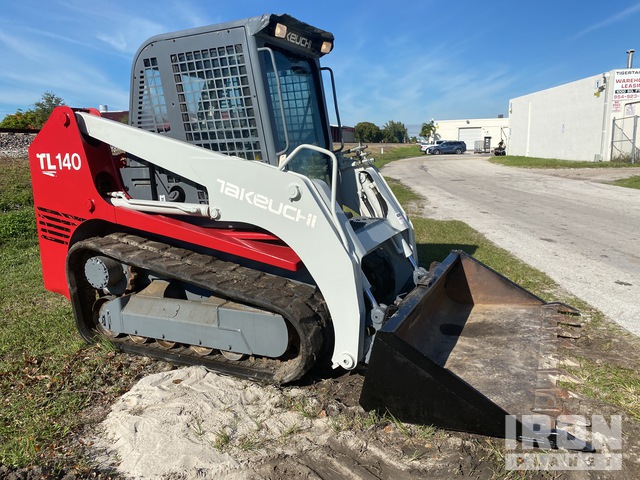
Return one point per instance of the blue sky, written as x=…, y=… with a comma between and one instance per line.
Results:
x=403, y=60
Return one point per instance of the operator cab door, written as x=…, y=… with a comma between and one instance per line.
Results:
x=297, y=109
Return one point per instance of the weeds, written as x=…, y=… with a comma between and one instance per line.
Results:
x=250, y=443
x=426, y=432
x=221, y=440
x=307, y=407
x=403, y=428
x=417, y=455
x=293, y=429
x=341, y=423
x=372, y=419
x=197, y=428
x=106, y=344
x=358, y=421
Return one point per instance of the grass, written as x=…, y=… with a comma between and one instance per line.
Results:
x=17, y=221
x=36, y=344
x=609, y=383
x=221, y=440
x=48, y=376
x=291, y=430
x=197, y=428
x=306, y=407
x=15, y=185
x=248, y=444
x=631, y=182
x=392, y=151
x=534, y=162
x=404, y=428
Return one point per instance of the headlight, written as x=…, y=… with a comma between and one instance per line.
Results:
x=281, y=30
x=326, y=47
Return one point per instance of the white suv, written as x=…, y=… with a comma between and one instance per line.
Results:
x=425, y=146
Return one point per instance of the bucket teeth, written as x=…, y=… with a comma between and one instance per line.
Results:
x=548, y=402
x=564, y=333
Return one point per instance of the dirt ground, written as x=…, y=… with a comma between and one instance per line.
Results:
x=314, y=431
x=221, y=427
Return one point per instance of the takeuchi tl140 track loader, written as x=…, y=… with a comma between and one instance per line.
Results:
x=222, y=228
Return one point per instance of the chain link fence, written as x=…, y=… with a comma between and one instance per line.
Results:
x=624, y=141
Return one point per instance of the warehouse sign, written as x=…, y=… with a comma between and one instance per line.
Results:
x=626, y=85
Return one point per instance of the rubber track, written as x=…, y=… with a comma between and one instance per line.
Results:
x=301, y=305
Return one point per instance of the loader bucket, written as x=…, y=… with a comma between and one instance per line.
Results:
x=463, y=351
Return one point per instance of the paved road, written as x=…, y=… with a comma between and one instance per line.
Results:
x=583, y=234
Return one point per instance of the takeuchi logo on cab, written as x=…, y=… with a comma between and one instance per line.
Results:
x=299, y=40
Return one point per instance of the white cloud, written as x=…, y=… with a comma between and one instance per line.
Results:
x=38, y=66
x=412, y=86
x=116, y=41
x=618, y=17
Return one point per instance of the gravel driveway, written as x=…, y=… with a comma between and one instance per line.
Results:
x=582, y=233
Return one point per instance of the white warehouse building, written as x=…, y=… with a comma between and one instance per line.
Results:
x=474, y=132
x=592, y=119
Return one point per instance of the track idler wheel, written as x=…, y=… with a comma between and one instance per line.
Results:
x=165, y=344
x=137, y=339
x=233, y=356
x=201, y=351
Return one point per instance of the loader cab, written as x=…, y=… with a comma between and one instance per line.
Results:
x=250, y=88
x=289, y=52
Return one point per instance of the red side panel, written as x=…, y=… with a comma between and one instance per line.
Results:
x=65, y=169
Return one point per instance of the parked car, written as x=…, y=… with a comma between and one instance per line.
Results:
x=448, y=147
x=425, y=146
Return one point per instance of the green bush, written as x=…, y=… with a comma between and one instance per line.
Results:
x=35, y=118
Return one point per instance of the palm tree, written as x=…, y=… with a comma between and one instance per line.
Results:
x=428, y=130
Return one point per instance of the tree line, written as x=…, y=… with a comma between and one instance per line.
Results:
x=391, y=132
x=33, y=118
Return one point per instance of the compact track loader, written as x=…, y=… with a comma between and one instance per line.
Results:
x=221, y=228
